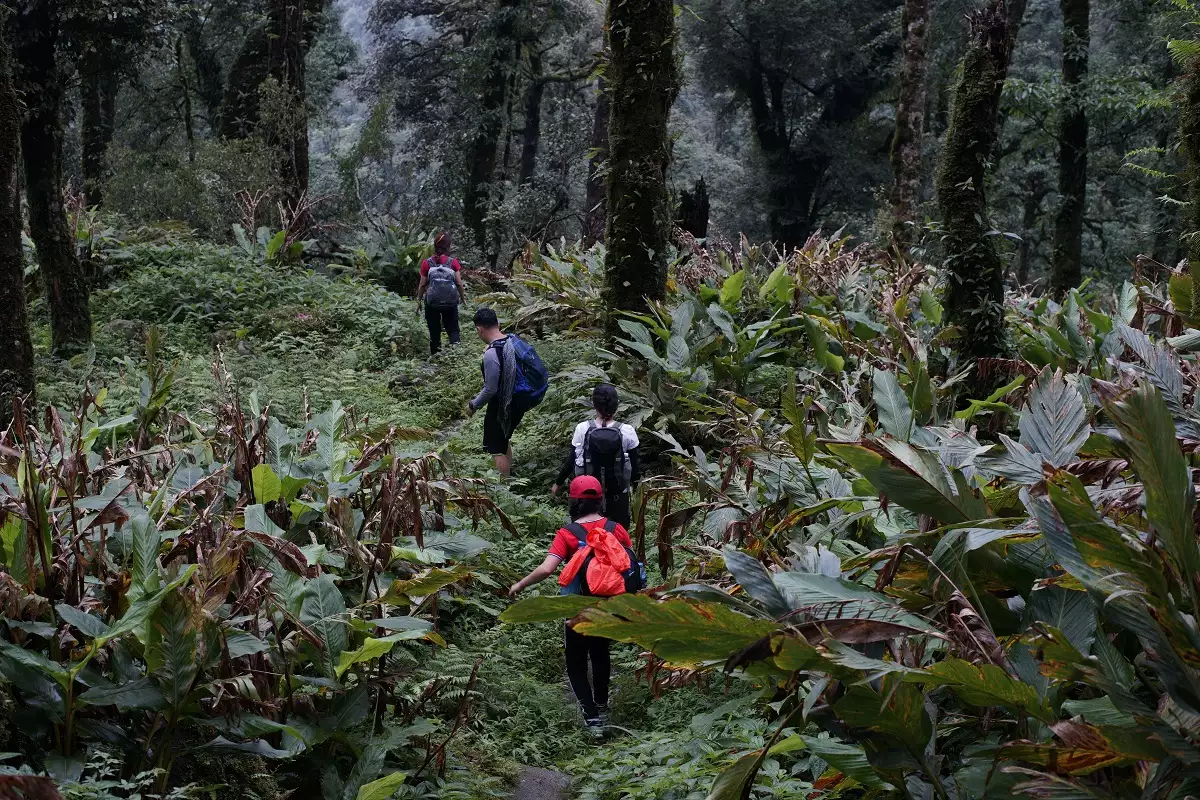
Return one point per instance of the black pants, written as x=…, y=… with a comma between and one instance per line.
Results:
x=436, y=317
x=616, y=508
x=579, y=650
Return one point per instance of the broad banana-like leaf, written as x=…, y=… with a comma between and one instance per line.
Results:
x=1013, y=461
x=546, y=608
x=755, y=579
x=736, y=781
x=914, y=478
x=146, y=541
x=731, y=290
x=322, y=612
x=1054, y=423
x=836, y=598
x=267, y=486
x=988, y=685
x=682, y=632
x=897, y=710
x=1146, y=426
x=849, y=759
x=140, y=694
x=383, y=788
x=427, y=583
x=895, y=413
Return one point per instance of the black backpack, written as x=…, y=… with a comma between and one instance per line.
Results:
x=635, y=576
x=604, y=457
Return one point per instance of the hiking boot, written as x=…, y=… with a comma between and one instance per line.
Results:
x=594, y=724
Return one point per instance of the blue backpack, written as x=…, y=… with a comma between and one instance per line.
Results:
x=532, y=376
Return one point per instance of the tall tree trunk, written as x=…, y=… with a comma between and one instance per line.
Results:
x=1189, y=144
x=285, y=63
x=36, y=28
x=1031, y=204
x=185, y=90
x=693, y=210
x=239, y=110
x=975, y=294
x=484, y=147
x=1066, y=269
x=17, y=378
x=209, y=85
x=99, y=85
x=910, y=119
x=532, y=135
x=595, y=216
x=644, y=82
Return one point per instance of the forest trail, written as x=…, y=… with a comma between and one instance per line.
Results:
x=542, y=784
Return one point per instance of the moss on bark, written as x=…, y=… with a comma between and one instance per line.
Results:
x=974, y=272
x=1066, y=267
x=38, y=78
x=642, y=80
x=17, y=377
x=910, y=118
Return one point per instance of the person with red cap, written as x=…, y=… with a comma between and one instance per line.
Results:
x=441, y=289
x=586, y=509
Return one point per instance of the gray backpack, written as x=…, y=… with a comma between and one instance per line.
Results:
x=442, y=289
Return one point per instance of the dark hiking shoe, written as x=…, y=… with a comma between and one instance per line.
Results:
x=594, y=723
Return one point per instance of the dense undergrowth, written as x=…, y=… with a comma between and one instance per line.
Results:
x=268, y=556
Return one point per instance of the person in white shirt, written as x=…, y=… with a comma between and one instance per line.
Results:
x=607, y=450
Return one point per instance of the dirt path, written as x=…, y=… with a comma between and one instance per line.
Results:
x=542, y=784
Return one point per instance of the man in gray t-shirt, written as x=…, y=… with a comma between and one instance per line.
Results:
x=499, y=377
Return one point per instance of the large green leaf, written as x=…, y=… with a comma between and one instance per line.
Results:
x=1149, y=434
x=989, y=685
x=383, y=788
x=897, y=710
x=427, y=583
x=914, y=478
x=372, y=649
x=546, y=608
x=755, y=579
x=836, y=598
x=267, y=486
x=323, y=612
x=895, y=413
x=731, y=290
x=146, y=542
x=87, y=624
x=737, y=780
x=1055, y=422
x=36, y=662
x=849, y=759
x=171, y=654
x=682, y=632
x=139, y=694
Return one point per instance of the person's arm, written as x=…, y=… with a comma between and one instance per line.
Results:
x=539, y=574
x=462, y=291
x=491, y=379
x=566, y=472
x=635, y=467
x=421, y=284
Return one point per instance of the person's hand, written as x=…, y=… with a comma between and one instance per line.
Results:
x=471, y=410
x=514, y=590
x=417, y=310
x=554, y=490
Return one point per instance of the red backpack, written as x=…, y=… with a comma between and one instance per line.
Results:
x=602, y=566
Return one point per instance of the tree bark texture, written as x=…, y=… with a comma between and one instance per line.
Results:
x=485, y=143
x=595, y=216
x=693, y=210
x=36, y=28
x=910, y=119
x=239, y=112
x=532, y=134
x=975, y=274
x=643, y=81
x=1031, y=204
x=17, y=377
x=1066, y=269
x=1189, y=144
x=285, y=63
x=99, y=85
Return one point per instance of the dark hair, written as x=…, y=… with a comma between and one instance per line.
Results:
x=582, y=507
x=486, y=318
x=441, y=243
x=606, y=400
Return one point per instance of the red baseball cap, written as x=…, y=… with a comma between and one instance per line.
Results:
x=586, y=487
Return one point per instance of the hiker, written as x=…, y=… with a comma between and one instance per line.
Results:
x=606, y=449
x=600, y=561
x=514, y=381
x=441, y=289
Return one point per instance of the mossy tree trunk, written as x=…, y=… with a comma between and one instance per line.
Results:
x=239, y=110
x=286, y=51
x=1066, y=269
x=910, y=119
x=531, y=135
x=974, y=272
x=595, y=217
x=17, y=377
x=484, y=146
x=643, y=80
x=41, y=84
x=99, y=85
x=1189, y=145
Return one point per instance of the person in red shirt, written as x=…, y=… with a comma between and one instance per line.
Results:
x=586, y=507
x=441, y=289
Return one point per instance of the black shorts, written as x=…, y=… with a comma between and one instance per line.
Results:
x=496, y=437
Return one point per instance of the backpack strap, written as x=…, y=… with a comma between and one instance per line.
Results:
x=579, y=531
x=610, y=525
